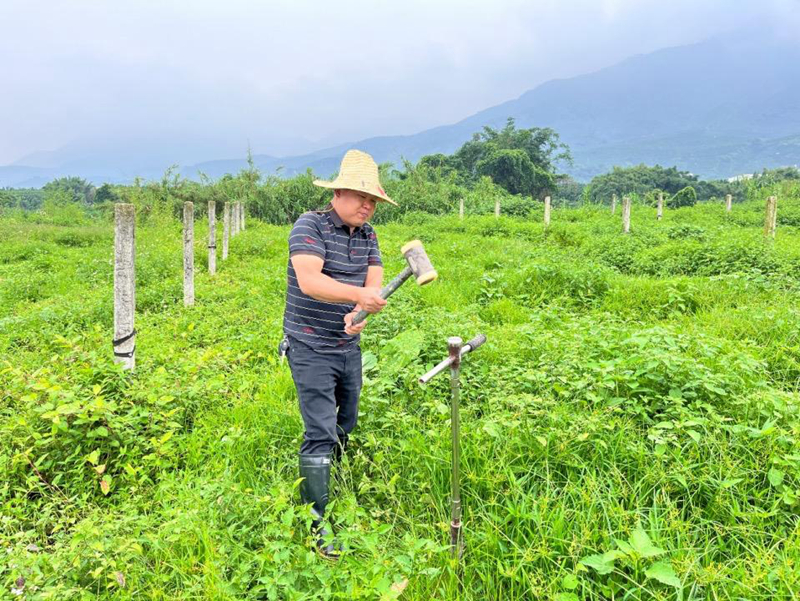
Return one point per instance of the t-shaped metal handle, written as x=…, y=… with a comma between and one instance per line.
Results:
x=468, y=347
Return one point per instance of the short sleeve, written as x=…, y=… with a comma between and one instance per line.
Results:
x=306, y=238
x=374, y=254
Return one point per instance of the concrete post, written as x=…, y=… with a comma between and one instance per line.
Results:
x=546, y=211
x=497, y=208
x=461, y=208
x=124, y=342
x=613, y=204
x=212, y=237
x=660, y=210
x=728, y=202
x=771, y=217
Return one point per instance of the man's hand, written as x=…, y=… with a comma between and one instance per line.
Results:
x=370, y=300
x=350, y=329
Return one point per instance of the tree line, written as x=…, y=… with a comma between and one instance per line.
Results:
x=518, y=166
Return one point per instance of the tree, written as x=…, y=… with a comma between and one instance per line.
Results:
x=569, y=191
x=687, y=197
x=514, y=171
x=643, y=180
x=522, y=161
x=436, y=166
x=8, y=200
x=76, y=188
x=105, y=193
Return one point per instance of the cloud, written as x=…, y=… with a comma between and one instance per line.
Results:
x=289, y=75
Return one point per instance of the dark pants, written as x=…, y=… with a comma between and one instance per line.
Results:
x=328, y=386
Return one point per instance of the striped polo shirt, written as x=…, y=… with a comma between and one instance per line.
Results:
x=346, y=256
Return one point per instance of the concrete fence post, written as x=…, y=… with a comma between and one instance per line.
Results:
x=546, y=211
x=613, y=204
x=497, y=208
x=728, y=202
x=124, y=341
x=626, y=214
x=660, y=210
x=461, y=208
x=212, y=237
x=771, y=217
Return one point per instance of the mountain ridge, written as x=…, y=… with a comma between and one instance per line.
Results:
x=717, y=108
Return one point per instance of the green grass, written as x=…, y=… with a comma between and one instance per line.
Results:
x=629, y=431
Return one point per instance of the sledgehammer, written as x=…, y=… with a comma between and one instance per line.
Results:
x=419, y=265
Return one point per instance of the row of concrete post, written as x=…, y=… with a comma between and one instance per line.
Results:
x=497, y=209
x=770, y=217
x=124, y=342
x=625, y=216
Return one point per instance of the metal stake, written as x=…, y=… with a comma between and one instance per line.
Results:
x=456, y=540
x=456, y=349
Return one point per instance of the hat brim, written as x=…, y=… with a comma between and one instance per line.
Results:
x=338, y=184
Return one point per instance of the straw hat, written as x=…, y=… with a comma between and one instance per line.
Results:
x=359, y=172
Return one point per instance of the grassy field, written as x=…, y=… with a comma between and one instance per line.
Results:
x=630, y=430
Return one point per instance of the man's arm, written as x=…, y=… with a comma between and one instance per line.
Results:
x=374, y=276
x=316, y=284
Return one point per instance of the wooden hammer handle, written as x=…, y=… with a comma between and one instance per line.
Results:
x=386, y=292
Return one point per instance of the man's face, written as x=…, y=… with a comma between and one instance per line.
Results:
x=355, y=208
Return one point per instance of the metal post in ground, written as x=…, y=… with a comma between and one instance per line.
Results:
x=456, y=540
x=456, y=350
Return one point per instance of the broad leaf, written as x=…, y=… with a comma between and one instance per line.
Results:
x=663, y=572
x=775, y=476
x=642, y=544
x=602, y=564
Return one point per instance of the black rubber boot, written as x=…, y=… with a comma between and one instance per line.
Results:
x=316, y=473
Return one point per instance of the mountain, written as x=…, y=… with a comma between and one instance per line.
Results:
x=718, y=108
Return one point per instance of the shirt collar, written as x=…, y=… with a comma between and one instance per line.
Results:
x=337, y=221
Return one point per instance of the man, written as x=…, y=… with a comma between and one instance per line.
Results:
x=334, y=270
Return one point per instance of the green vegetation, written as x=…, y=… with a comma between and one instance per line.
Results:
x=649, y=181
x=521, y=161
x=630, y=430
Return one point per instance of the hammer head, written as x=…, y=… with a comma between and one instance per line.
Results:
x=420, y=264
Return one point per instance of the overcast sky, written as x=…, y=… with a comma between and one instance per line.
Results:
x=293, y=76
